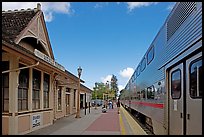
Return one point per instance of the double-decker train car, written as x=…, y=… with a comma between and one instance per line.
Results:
x=165, y=90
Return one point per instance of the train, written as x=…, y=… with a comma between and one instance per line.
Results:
x=165, y=89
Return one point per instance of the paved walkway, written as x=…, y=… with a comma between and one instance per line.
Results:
x=93, y=123
x=107, y=123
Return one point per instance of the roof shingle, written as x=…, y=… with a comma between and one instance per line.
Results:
x=13, y=22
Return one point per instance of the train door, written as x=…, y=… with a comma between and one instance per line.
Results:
x=185, y=97
x=176, y=100
x=194, y=95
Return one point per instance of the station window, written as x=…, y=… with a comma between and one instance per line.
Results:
x=23, y=89
x=150, y=55
x=74, y=103
x=68, y=90
x=5, y=86
x=46, y=86
x=143, y=64
x=196, y=80
x=176, y=84
x=36, y=89
x=59, y=98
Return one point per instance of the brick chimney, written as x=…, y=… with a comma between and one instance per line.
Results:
x=38, y=6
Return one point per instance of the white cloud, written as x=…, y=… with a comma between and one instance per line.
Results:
x=100, y=4
x=107, y=78
x=127, y=73
x=120, y=87
x=133, y=5
x=48, y=8
x=48, y=17
x=18, y=5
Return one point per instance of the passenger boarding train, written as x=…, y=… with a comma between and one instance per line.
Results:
x=165, y=90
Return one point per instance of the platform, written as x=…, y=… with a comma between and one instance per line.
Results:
x=94, y=123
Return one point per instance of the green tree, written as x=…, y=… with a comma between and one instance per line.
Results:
x=98, y=90
x=114, y=85
x=101, y=89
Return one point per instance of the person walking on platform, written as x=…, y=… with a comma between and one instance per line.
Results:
x=110, y=104
x=118, y=105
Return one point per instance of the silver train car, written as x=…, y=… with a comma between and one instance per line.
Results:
x=165, y=90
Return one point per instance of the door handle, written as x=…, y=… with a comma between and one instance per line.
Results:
x=188, y=116
x=181, y=115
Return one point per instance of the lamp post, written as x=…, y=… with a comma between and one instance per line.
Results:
x=78, y=94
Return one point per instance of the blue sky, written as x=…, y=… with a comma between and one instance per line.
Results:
x=104, y=38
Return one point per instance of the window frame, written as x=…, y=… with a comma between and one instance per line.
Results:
x=151, y=49
x=59, y=98
x=152, y=92
x=143, y=94
x=143, y=62
x=177, y=70
x=22, y=89
x=74, y=100
x=36, y=91
x=46, y=93
x=138, y=70
x=5, y=66
x=197, y=88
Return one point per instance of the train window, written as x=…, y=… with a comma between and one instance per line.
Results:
x=150, y=55
x=138, y=70
x=176, y=84
x=150, y=92
x=196, y=79
x=133, y=79
x=143, y=64
x=138, y=95
x=143, y=94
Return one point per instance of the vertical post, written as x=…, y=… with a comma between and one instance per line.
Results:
x=96, y=100
x=89, y=107
x=85, y=104
x=78, y=94
x=78, y=100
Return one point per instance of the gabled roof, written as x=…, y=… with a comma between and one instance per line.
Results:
x=13, y=22
x=19, y=24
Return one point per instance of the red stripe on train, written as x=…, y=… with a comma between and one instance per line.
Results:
x=155, y=105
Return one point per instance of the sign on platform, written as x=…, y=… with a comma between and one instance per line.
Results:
x=36, y=120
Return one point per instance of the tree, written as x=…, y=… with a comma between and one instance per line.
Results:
x=98, y=90
x=114, y=85
x=101, y=89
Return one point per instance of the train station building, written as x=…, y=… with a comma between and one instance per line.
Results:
x=36, y=90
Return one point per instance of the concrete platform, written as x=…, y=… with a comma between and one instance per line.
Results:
x=94, y=123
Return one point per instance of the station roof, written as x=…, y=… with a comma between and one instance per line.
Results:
x=14, y=22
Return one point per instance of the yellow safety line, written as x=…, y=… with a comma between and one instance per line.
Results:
x=122, y=127
x=137, y=130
